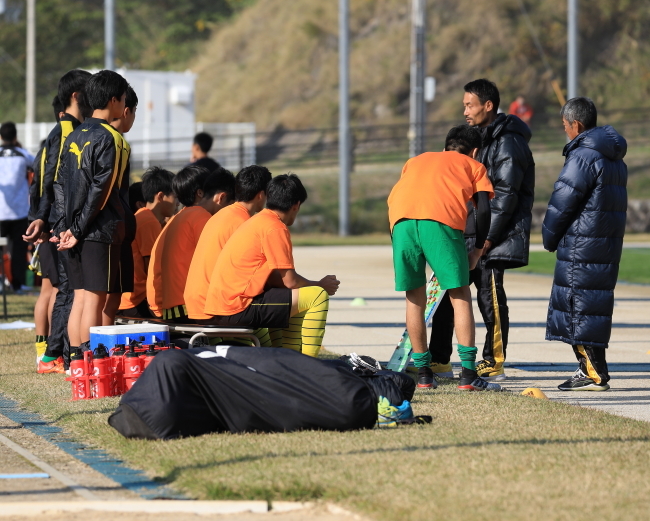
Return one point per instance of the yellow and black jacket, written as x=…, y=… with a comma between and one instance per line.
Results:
x=41, y=194
x=93, y=161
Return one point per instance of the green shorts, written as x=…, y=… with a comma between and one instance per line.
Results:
x=419, y=242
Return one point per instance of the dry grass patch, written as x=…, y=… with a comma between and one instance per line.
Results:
x=497, y=455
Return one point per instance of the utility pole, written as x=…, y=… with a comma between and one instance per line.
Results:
x=30, y=84
x=109, y=34
x=344, y=118
x=572, y=49
x=417, y=113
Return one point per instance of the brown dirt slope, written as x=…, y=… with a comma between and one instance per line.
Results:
x=276, y=63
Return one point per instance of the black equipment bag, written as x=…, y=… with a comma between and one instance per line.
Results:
x=243, y=389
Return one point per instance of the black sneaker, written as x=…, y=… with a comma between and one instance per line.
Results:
x=426, y=379
x=581, y=382
x=477, y=384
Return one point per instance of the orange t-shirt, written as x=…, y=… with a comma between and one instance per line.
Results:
x=260, y=245
x=437, y=186
x=146, y=232
x=171, y=257
x=213, y=238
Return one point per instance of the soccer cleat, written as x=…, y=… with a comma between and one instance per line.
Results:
x=442, y=370
x=581, y=382
x=477, y=384
x=490, y=370
x=426, y=379
x=389, y=416
x=55, y=366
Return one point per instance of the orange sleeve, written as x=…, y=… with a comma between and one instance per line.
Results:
x=482, y=182
x=147, y=235
x=277, y=248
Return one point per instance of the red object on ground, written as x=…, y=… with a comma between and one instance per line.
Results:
x=80, y=371
x=102, y=385
x=132, y=368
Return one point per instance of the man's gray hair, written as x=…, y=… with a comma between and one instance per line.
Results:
x=582, y=110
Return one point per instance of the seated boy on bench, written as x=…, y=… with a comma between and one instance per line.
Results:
x=203, y=194
x=254, y=283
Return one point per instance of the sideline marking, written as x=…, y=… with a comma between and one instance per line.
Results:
x=67, y=481
x=25, y=476
x=97, y=459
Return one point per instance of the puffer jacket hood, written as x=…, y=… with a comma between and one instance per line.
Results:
x=509, y=123
x=585, y=223
x=604, y=140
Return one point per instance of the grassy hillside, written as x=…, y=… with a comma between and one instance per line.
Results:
x=277, y=62
x=161, y=34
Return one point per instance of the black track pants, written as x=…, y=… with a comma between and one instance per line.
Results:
x=592, y=362
x=58, y=343
x=493, y=305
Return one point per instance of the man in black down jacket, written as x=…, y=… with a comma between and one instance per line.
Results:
x=511, y=170
x=585, y=223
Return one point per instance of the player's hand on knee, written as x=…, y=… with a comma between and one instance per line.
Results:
x=330, y=284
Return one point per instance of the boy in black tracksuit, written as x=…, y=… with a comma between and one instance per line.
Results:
x=43, y=216
x=123, y=125
x=91, y=212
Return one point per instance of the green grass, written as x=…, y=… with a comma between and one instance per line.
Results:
x=495, y=455
x=634, y=265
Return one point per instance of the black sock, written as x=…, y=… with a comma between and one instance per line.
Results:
x=41, y=338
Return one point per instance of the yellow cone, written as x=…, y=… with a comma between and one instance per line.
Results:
x=534, y=392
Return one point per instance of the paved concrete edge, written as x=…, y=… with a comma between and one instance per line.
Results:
x=156, y=506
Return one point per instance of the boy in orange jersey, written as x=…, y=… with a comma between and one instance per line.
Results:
x=427, y=210
x=250, y=197
x=203, y=194
x=160, y=204
x=259, y=253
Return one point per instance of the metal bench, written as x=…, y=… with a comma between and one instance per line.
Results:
x=196, y=330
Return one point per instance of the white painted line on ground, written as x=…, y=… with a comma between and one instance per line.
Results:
x=154, y=506
x=68, y=482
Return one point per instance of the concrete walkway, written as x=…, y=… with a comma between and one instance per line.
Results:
x=374, y=329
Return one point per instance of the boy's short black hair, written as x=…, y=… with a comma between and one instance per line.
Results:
x=102, y=87
x=220, y=180
x=57, y=107
x=155, y=180
x=463, y=139
x=188, y=181
x=135, y=196
x=8, y=132
x=204, y=141
x=250, y=181
x=580, y=109
x=131, y=99
x=283, y=191
x=71, y=82
x=485, y=90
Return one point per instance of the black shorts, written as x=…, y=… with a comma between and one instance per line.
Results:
x=126, y=268
x=140, y=311
x=94, y=266
x=49, y=256
x=270, y=309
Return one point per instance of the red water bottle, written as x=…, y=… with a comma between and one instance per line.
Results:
x=132, y=368
x=117, y=366
x=102, y=373
x=148, y=356
x=78, y=376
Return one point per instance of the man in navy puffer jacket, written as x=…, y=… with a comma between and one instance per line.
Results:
x=585, y=223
